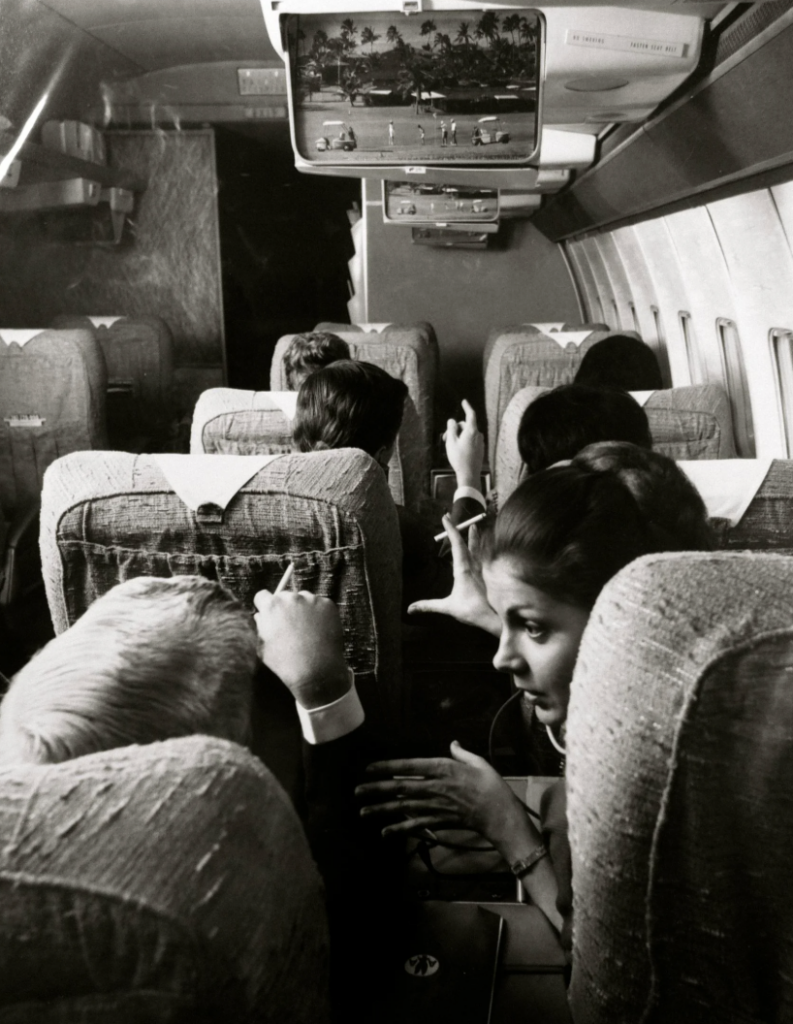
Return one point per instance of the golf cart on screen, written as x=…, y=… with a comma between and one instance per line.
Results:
x=489, y=129
x=345, y=139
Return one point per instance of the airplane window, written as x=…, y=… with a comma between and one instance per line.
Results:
x=694, y=367
x=659, y=330
x=782, y=348
x=735, y=379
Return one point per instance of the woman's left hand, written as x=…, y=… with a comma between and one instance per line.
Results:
x=463, y=791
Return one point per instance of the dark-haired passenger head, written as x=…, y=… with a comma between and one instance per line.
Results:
x=559, y=423
x=350, y=404
x=569, y=529
x=620, y=361
x=311, y=351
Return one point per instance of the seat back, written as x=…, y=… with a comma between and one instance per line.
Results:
x=516, y=357
x=685, y=423
x=679, y=767
x=234, y=422
x=52, y=401
x=406, y=351
x=139, y=357
x=760, y=492
x=109, y=516
x=186, y=890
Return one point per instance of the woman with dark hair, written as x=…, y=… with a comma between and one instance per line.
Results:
x=559, y=539
x=620, y=361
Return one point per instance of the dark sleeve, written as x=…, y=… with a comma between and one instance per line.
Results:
x=553, y=823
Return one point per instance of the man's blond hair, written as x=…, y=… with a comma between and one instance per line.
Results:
x=150, y=660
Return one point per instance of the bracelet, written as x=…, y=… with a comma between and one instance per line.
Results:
x=523, y=866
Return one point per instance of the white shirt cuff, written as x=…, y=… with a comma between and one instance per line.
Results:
x=470, y=492
x=334, y=720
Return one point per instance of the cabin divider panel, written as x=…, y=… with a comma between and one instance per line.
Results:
x=167, y=264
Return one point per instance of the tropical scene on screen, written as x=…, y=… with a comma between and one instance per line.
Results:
x=384, y=88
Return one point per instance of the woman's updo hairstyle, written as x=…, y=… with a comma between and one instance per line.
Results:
x=572, y=529
x=671, y=506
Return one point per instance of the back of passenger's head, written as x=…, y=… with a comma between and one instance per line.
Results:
x=569, y=529
x=349, y=404
x=669, y=502
x=150, y=660
x=311, y=351
x=620, y=361
x=559, y=423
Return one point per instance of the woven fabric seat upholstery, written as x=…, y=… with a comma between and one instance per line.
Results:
x=680, y=756
x=409, y=353
x=231, y=421
x=138, y=352
x=685, y=423
x=109, y=516
x=52, y=401
x=519, y=357
x=767, y=524
x=166, y=883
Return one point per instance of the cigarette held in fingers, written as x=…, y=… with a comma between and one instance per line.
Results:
x=462, y=526
x=283, y=583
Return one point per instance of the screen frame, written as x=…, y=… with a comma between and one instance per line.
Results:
x=489, y=223
x=358, y=167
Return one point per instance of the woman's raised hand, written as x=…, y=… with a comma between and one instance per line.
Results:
x=468, y=600
x=463, y=791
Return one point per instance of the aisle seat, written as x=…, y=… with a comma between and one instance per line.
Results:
x=165, y=882
x=139, y=357
x=406, y=351
x=750, y=501
x=516, y=357
x=110, y=516
x=685, y=423
x=679, y=761
x=52, y=402
x=231, y=421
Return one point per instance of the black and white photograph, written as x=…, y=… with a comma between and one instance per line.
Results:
x=396, y=512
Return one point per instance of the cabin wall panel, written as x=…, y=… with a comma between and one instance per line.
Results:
x=730, y=259
x=586, y=281
x=671, y=292
x=642, y=292
x=606, y=305
x=612, y=264
x=758, y=258
x=168, y=264
x=464, y=294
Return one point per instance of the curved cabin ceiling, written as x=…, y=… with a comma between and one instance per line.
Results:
x=158, y=34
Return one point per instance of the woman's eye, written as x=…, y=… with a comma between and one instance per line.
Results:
x=535, y=630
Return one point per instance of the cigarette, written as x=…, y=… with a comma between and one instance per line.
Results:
x=284, y=581
x=462, y=526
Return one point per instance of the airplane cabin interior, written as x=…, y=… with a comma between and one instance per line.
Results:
x=469, y=197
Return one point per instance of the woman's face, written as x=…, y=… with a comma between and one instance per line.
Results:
x=540, y=637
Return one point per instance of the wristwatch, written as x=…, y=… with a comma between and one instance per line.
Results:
x=523, y=866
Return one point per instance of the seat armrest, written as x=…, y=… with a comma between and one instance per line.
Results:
x=21, y=536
